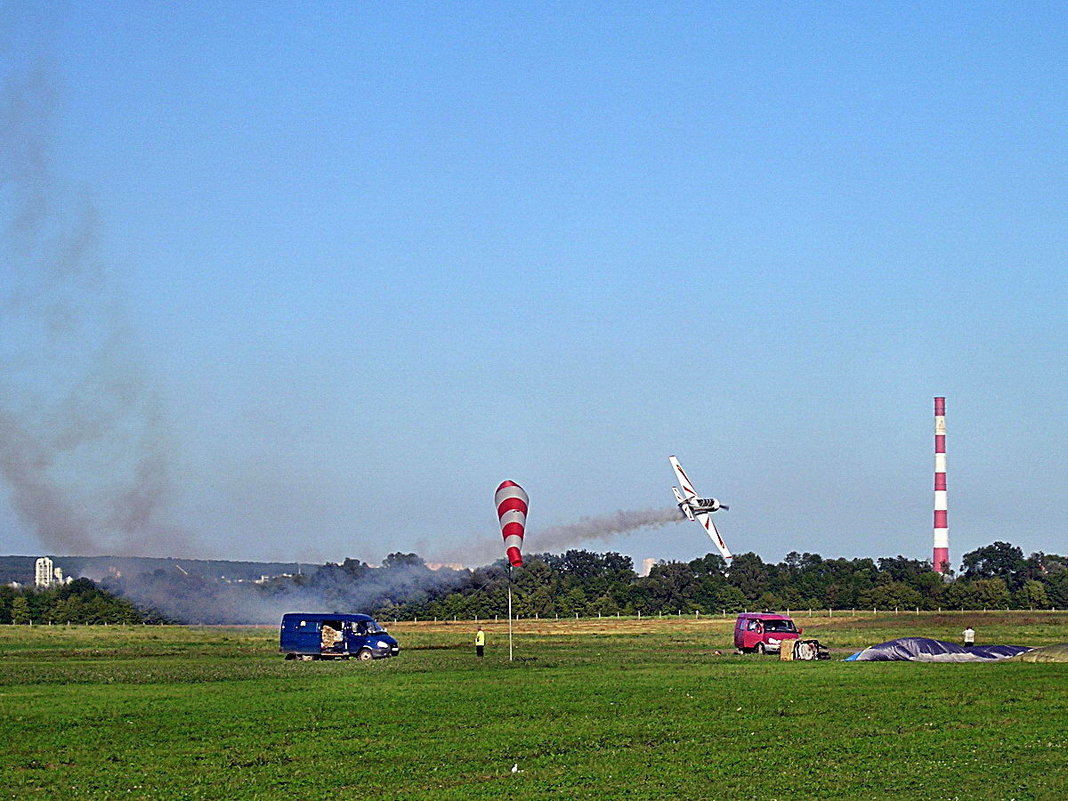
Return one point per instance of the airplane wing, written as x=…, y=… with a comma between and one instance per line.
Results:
x=705, y=519
x=684, y=480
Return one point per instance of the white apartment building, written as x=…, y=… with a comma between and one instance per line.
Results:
x=44, y=572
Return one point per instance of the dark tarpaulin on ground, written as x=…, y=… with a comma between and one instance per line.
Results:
x=922, y=649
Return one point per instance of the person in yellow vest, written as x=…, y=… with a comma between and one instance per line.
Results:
x=480, y=642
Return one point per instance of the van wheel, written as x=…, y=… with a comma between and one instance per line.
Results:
x=365, y=655
x=760, y=648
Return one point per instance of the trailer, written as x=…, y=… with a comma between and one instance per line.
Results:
x=312, y=635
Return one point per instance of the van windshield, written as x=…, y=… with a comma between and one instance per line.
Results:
x=369, y=627
x=779, y=625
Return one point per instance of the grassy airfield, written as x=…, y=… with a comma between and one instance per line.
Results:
x=593, y=709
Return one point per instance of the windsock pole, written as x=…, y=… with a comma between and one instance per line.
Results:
x=511, y=501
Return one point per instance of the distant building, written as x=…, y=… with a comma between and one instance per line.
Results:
x=44, y=572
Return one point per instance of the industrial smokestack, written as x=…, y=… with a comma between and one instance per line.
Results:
x=940, y=556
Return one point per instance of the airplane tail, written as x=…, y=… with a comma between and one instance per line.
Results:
x=685, y=507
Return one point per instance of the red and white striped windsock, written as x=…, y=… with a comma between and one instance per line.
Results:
x=512, y=512
x=940, y=556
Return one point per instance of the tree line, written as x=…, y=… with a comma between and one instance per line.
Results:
x=577, y=582
x=582, y=583
x=80, y=601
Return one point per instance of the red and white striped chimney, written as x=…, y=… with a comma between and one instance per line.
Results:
x=940, y=557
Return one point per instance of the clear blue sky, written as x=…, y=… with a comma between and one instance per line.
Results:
x=347, y=266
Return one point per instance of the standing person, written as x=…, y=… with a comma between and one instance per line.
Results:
x=969, y=637
x=480, y=642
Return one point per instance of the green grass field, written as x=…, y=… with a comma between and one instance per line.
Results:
x=588, y=709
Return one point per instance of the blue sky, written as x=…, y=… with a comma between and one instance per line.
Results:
x=353, y=264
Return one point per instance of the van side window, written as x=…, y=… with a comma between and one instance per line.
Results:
x=781, y=625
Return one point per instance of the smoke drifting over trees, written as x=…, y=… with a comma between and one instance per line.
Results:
x=83, y=438
x=584, y=583
x=83, y=447
x=353, y=585
x=588, y=584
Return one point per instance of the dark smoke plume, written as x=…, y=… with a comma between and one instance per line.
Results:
x=82, y=444
x=189, y=597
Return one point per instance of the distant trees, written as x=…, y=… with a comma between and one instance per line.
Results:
x=1000, y=560
x=80, y=601
x=20, y=610
x=1032, y=595
x=584, y=583
x=576, y=582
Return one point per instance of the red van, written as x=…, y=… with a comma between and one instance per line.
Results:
x=763, y=632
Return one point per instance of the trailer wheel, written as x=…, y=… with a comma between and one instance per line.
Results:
x=760, y=648
x=365, y=655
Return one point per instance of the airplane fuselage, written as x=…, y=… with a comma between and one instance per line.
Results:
x=699, y=505
x=707, y=505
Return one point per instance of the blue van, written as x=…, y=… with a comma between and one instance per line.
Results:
x=309, y=635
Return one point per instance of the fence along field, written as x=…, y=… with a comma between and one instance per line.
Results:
x=589, y=709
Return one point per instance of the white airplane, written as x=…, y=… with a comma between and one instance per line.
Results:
x=697, y=508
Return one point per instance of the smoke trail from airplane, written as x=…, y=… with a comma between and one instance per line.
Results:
x=559, y=538
x=593, y=529
x=82, y=441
